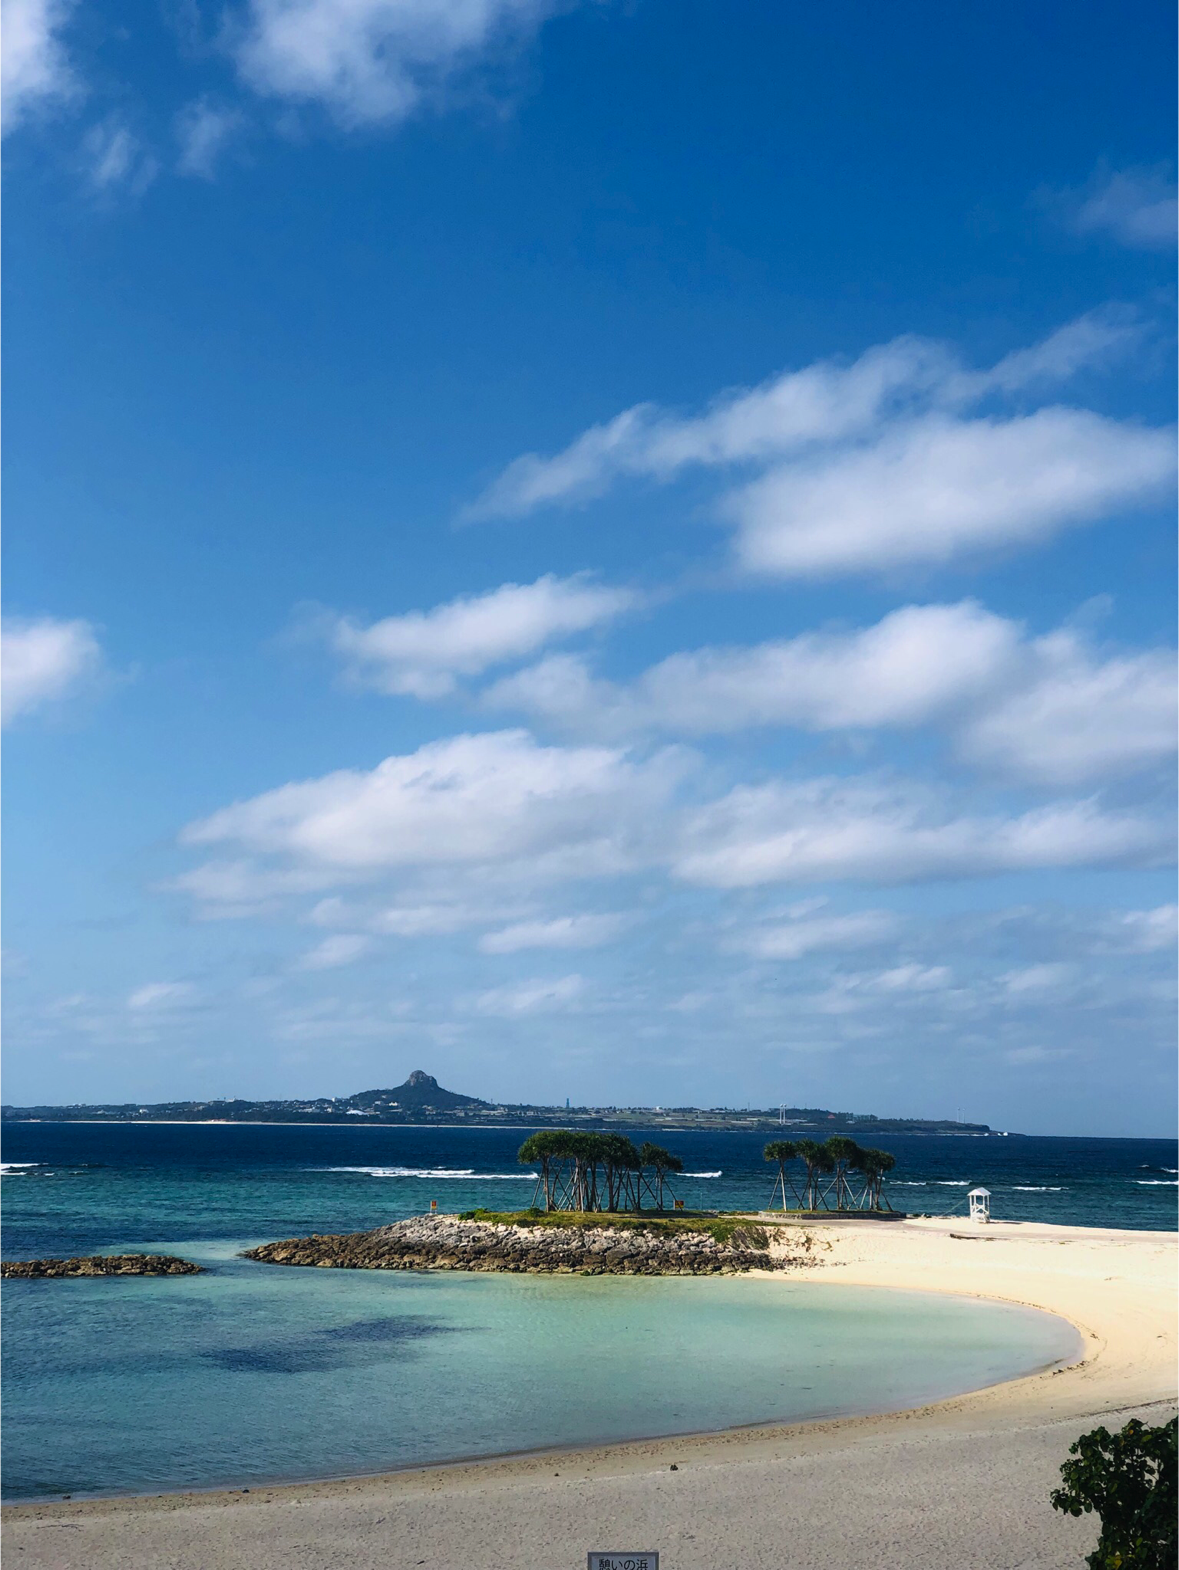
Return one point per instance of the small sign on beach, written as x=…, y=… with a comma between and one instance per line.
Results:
x=633, y=1560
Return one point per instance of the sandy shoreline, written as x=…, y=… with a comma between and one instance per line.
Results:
x=963, y=1482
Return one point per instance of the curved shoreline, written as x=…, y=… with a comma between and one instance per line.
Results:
x=1116, y=1288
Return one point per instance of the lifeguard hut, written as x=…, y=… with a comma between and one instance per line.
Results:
x=980, y=1204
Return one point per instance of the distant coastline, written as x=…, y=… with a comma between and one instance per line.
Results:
x=420, y=1102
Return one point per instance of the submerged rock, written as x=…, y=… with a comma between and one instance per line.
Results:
x=101, y=1265
x=453, y=1243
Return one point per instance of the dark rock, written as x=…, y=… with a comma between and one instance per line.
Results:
x=450, y=1243
x=100, y=1265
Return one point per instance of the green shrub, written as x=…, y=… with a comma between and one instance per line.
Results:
x=1129, y=1479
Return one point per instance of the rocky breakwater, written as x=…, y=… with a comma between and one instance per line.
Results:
x=100, y=1265
x=627, y=1247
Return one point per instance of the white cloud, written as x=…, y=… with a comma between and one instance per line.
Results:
x=939, y=488
x=822, y=403
x=913, y=978
x=840, y=829
x=160, y=994
x=422, y=653
x=827, y=403
x=1138, y=207
x=537, y=996
x=811, y=934
x=420, y=921
x=1078, y=717
x=342, y=948
x=563, y=932
x=44, y=660
x=241, y=887
x=1079, y=345
x=34, y=70
x=1146, y=931
x=1048, y=710
x=915, y=664
x=375, y=61
x=204, y=131
x=467, y=800
x=1035, y=980
x=115, y=159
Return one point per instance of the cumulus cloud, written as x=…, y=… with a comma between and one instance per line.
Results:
x=562, y=932
x=203, y=132
x=1049, y=710
x=1078, y=716
x=34, y=71
x=466, y=801
x=825, y=829
x=821, y=403
x=423, y=652
x=1137, y=207
x=911, y=666
x=498, y=814
x=43, y=660
x=372, y=62
x=877, y=465
x=940, y=488
x=536, y=996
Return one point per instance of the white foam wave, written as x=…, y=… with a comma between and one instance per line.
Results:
x=902, y=1183
x=16, y=1168
x=1157, y=1182
x=951, y=1182
x=1037, y=1188
x=466, y=1173
x=701, y=1174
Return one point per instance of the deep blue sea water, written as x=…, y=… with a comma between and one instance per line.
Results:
x=251, y=1373
x=100, y=1187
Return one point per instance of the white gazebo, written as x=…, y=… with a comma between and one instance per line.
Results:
x=980, y=1204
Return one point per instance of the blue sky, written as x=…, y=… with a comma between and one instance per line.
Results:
x=619, y=551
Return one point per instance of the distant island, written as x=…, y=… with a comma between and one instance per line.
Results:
x=422, y=1100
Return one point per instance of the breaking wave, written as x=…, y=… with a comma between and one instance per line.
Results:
x=466, y=1173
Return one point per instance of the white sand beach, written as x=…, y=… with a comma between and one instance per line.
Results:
x=961, y=1484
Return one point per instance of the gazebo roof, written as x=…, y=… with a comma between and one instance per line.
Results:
x=979, y=1191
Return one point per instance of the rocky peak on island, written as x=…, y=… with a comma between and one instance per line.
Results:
x=419, y=1092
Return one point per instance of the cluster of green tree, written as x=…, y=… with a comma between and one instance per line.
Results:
x=1131, y=1481
x=583, y=1171
x=827, y=1177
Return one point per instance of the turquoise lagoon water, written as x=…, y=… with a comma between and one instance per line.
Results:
x=254, y=1373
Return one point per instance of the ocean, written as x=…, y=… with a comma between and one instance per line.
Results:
x=250, y=1374
x=80, y=1187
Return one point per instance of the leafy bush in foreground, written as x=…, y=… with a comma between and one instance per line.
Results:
x=1129, y=1479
